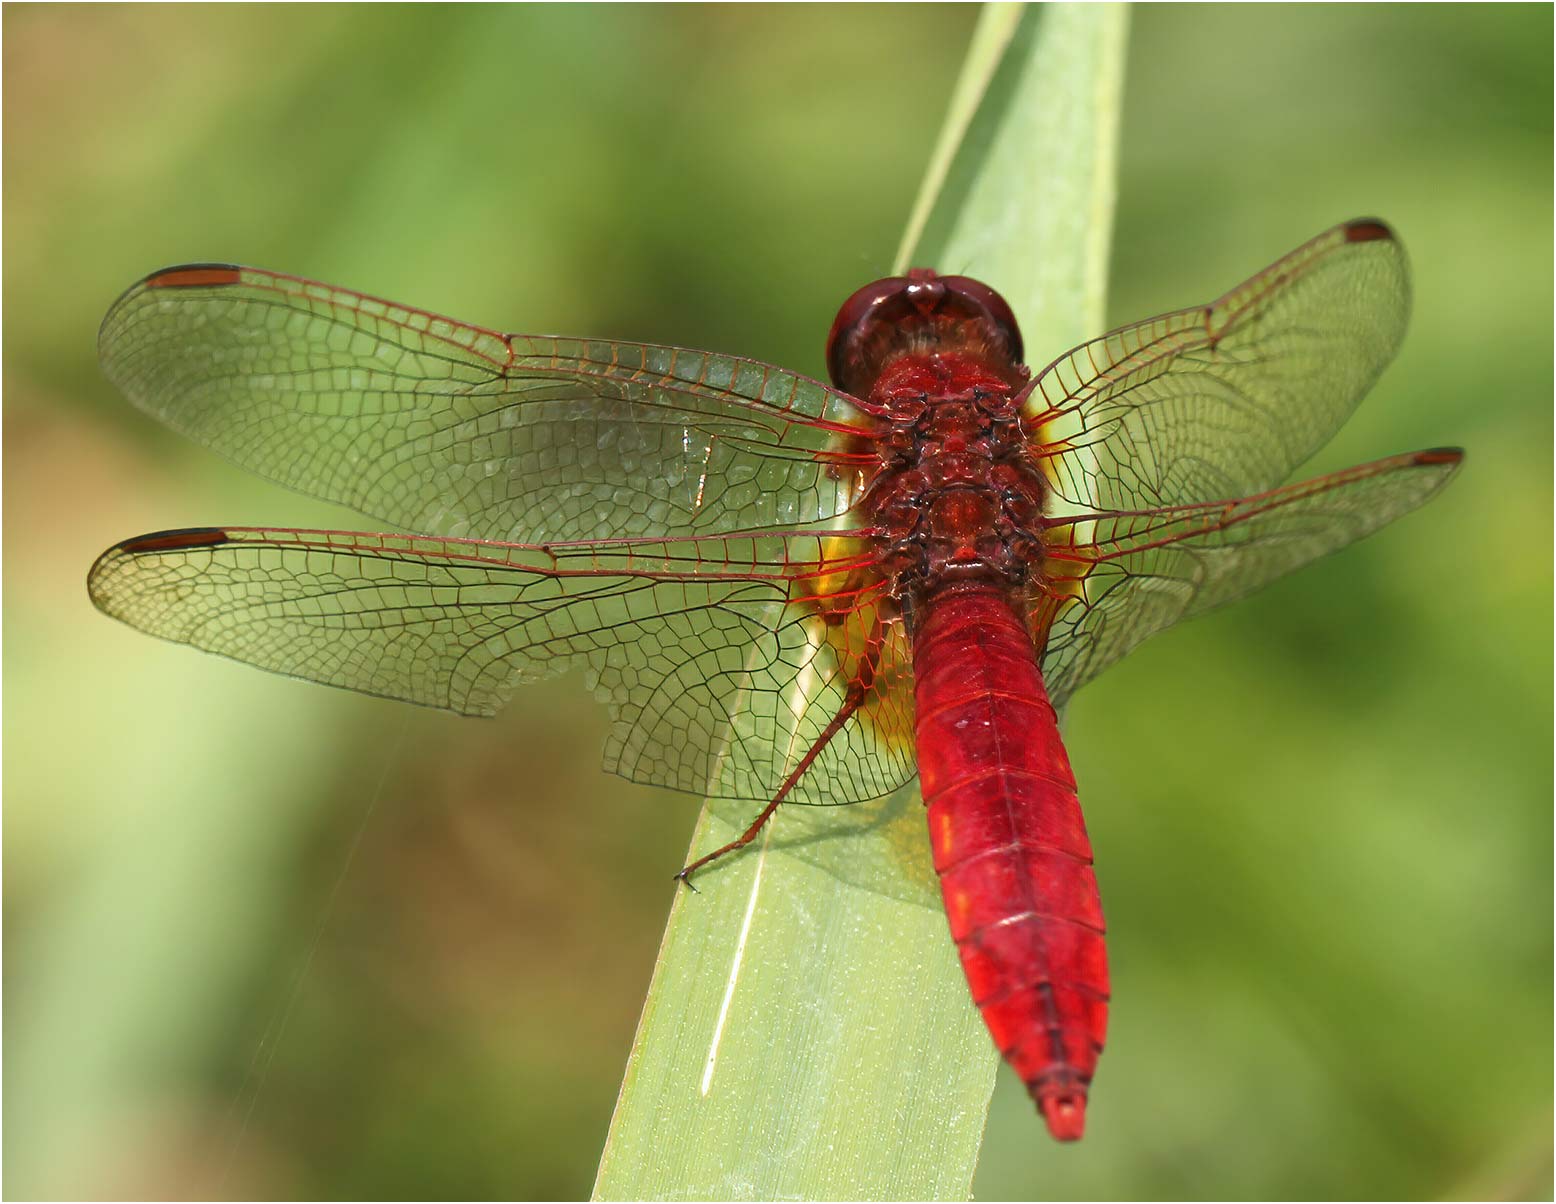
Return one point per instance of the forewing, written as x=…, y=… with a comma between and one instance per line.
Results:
x=1129, y=575
x=437, y=426
x=721, y=658
x=1225, y=399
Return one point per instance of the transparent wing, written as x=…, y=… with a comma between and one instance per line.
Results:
x=1228, y=398
x=721, y=658
x=1116, y=579
x=437, y=426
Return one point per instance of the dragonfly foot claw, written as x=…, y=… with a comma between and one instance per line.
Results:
x=685, y=879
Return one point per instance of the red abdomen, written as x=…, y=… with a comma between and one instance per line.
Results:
x=1010, y=845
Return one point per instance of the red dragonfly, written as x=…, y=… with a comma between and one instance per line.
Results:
x=784, y=591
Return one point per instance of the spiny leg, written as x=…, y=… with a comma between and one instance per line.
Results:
x=852, y=701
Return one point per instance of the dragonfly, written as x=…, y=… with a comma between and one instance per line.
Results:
x=784, y=590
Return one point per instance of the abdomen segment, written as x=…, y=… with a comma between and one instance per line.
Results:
x=1010, y=846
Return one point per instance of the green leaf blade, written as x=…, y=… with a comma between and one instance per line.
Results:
x=1026, y=204
x=789, y=989
x=808, y=1033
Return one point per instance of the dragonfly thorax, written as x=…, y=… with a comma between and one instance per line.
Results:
x=957, y=496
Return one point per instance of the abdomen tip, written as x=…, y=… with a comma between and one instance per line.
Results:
x=1065, y=1114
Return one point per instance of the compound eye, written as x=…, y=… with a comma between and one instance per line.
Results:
x=869, y=305
x=887, y=316
x=978, y=298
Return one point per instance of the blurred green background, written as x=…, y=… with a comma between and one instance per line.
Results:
x=267, y=939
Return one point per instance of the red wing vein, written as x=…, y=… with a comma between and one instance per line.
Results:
x=437, y=426
x=1129, y=574
x=715, y=664
x=1229, y=398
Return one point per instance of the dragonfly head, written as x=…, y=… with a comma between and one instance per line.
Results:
x=922, y=312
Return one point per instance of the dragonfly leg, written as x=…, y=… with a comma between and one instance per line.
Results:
x=857, y=693
x=745, y=838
